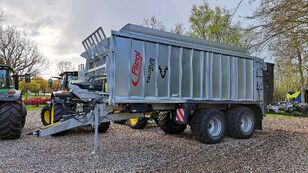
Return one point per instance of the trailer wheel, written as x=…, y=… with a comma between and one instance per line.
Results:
x=137, y=123
x=11, y=120
x=240, y=123
x=103, y=127
x=208, y=126
x=155, y=116
x=168, y=125
x=120, y=122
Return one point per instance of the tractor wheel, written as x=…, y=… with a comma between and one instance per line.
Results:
x=208, y=126
x=24, y=114
x=137, y=123
x=168, y=125
x=46, y=116
x=59, y=111
x=240, y=123
x=11, y=120
x=46, y=113
x=103, y=127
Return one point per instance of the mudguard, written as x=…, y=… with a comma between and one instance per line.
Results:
x=60, y=95
x=10, y=97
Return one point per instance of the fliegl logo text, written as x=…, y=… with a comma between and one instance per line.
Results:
x=136, y=69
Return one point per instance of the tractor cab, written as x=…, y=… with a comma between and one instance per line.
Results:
x=65, y=79
x=53, y=110
x=8, y=80
x=68, y=78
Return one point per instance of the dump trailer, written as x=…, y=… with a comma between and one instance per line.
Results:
x=215, y=88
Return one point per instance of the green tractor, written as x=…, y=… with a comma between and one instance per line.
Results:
x=62, y=103
x=59, y=104
x=12, y=110
x=54, y=110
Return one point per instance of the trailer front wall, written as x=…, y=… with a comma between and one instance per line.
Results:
x=149, y=70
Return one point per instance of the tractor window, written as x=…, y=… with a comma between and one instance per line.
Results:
x=71, y=79
x=5, y=80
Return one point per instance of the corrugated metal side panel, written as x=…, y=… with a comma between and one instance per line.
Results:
x=148, y=70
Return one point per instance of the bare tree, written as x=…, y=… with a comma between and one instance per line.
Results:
x=154, y=23
x=65, y=66
x=20, y=53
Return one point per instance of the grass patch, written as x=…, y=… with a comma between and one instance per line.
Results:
x=34, y=108
x=31, y=95
x=278, y=116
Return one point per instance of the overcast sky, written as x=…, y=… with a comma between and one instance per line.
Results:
x=59, y=26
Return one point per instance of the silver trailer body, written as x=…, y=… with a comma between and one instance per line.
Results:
x=151, y=66
x=213, y=87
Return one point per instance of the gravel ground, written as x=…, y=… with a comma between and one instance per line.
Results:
x=282, y=146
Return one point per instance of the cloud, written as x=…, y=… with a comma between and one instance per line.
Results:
x=58, y=26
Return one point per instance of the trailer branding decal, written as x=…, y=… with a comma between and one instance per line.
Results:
x=150, y=69
x=163, y=71
x=136, y=69
x=180, y=114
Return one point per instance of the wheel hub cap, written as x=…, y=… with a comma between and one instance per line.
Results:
x=214, y=126
x=47, y=117
x=246, y=123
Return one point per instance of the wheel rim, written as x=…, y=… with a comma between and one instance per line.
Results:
x=133, y=121
x=246, y=122
x=47, y=117
x=214, y=126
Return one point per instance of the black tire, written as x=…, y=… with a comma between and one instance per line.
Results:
x=24, y=114
x=290, y=110
x=120, y=122
x=45, y=110
x=167, y=125
x=236, y=120
x=155, y=116
x=11, y=120
x=59, y=110
x=140, y=124
x=103, y=127
x=208, y=126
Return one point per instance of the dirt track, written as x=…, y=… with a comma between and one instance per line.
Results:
x=281, y=147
